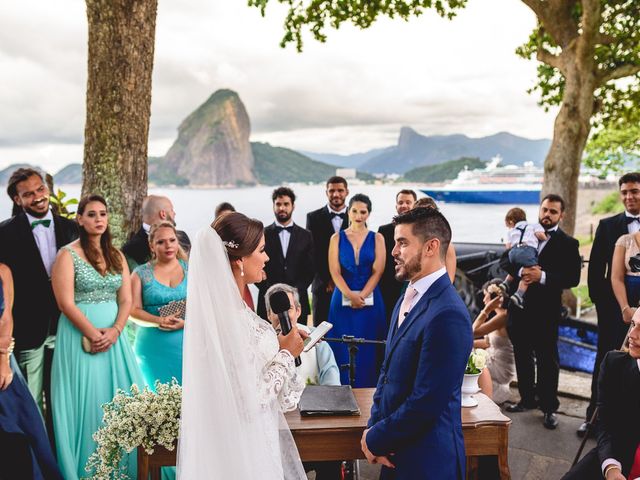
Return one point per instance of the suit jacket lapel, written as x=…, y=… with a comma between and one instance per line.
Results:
x=60, y=237
x=621, y=226
x=434, y=290
x=275, y=239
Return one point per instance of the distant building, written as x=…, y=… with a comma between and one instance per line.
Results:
x=347, y=173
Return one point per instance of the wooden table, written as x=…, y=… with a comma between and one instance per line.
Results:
x=485, y=430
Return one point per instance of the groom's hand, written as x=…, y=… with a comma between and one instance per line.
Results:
x=371, y=458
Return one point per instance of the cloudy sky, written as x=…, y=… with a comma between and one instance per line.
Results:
x=346, y=96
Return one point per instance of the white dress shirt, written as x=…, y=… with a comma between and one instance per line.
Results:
x=336, y=221
x=45, y=238
x=632, y=227
x=422, y=285
x=285, y=236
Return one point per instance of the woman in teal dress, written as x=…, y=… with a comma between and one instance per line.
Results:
x=356, y=262
x=92, y=287
x=155, y=284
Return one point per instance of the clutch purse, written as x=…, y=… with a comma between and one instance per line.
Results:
x=86, y=345
x=368, y=300
x=177, y=308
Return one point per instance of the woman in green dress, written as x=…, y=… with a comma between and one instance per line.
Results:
x=157, y=284
x=91, y=361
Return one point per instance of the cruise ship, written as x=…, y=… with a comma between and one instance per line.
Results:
x=508, y=184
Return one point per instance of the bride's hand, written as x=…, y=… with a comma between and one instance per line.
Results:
x=292, y=342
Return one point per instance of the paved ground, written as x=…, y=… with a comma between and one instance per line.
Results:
x=536, y=453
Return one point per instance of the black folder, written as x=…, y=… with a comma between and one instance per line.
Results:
x=328, y=400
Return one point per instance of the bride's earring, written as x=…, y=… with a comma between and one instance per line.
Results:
x=241, y=269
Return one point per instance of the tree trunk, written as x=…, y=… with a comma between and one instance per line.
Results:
x=570, y=134
x=121, y=48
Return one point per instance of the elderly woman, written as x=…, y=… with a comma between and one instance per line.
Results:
x=616, y=457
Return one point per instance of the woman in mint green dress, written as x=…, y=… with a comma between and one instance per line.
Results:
x=92, y=287
x=154, y=285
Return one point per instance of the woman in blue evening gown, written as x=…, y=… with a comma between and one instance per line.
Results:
x=154, y=285
x=356, y=262
x=23, y=438
x=92, y=287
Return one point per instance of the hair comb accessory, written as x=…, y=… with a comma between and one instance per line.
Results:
x=230, y=244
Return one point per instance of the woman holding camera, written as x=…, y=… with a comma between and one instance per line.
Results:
x=491, y=326
x=625, y=274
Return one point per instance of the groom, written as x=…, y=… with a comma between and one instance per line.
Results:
x=415, y=429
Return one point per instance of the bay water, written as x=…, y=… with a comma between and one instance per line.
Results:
x=195, y=208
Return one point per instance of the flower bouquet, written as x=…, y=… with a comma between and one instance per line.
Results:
x=133, y=419
x=476, y=363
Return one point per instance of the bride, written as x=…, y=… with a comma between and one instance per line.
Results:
x=239, y=376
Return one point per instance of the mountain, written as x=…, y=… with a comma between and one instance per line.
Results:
x=275, y=165
x=6, y=173
x=415, y=150
x=442, y=171
x=69, y=175
x=213, y=147
x=349, y=161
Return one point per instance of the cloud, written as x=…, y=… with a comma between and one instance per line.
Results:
x=350, y=94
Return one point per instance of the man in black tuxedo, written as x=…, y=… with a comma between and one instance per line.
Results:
x=534, y=329
x=389, y=286
x=616, y=457
x=322, y=224
x=155, y=209
x=30, y=241
x=612, y=328
x=290, y=251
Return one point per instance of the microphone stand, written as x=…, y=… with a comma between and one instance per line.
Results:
x=353, y=345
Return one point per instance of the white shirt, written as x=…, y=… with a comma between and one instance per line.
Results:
x=632, y=227
x=421, y=286
x=336, y=221
x=45, y=238
x=613, y=461
x=146, y=227
x=528, y=238
x=285, y=236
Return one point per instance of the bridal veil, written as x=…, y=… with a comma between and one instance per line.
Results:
x=225, y=432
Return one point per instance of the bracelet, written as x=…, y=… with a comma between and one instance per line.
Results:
x=609, y=467
x=117, y=328
x=628, y=306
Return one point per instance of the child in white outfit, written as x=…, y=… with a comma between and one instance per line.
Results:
x=522, y=242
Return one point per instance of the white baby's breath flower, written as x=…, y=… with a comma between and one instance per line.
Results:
x=138, y=418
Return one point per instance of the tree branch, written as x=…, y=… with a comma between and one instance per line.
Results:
x=591, y=18
x=619, y=72
x=549, y=58
x=537, y=6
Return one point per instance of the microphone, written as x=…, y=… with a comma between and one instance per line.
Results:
x=280, y=305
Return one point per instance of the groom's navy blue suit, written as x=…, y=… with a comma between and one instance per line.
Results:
x=416, y=408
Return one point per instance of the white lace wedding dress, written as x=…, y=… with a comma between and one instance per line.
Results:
x=236, y=381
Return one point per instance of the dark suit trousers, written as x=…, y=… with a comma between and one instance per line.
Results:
x=321, y=302
x=535, y=345
x=611, y=333
x=588, y=468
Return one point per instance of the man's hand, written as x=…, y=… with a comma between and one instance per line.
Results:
x=615, y=474
x=371, y=458
x=532, y=274
x=330, y=286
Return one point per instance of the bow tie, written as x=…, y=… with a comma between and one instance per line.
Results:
x=45, y=223
x=551, y=233
x=632, y=219
x=287, y=229
x=341, y=215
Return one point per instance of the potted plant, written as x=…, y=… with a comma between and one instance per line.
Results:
x=476, y=363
